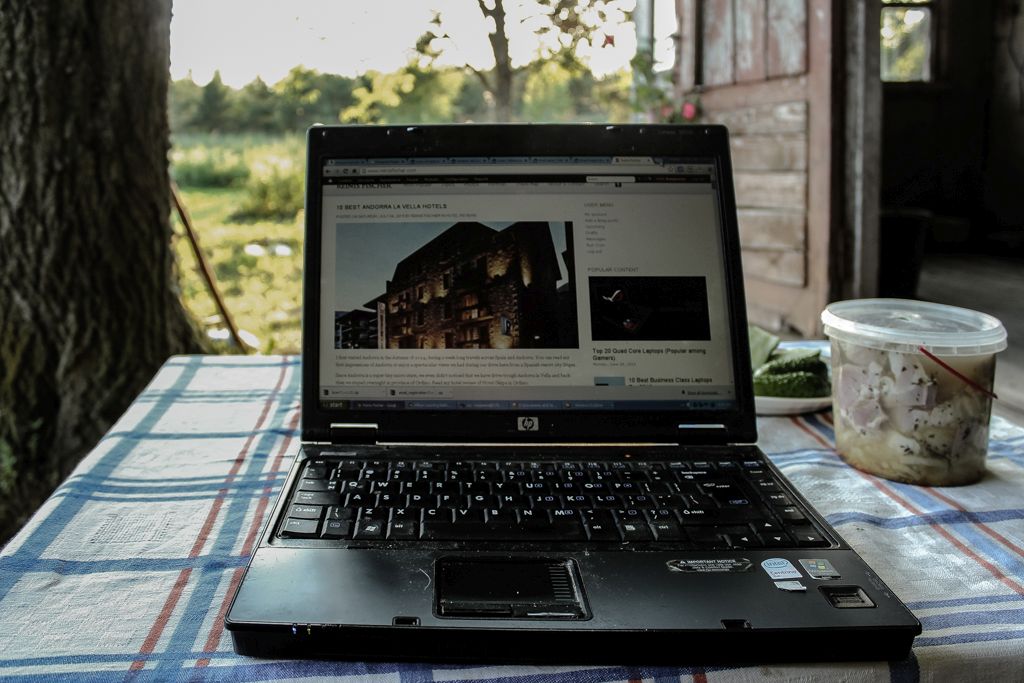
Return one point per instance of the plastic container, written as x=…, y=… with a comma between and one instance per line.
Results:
x=912, y=388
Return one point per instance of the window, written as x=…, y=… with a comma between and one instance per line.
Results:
x=908, y=41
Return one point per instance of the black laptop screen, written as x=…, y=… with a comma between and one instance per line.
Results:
x=523, y=283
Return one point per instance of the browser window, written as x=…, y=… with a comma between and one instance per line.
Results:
x=509, y=283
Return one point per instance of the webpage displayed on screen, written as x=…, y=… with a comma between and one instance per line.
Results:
x=546, y=283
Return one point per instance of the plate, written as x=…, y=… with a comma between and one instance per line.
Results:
x=777, y=405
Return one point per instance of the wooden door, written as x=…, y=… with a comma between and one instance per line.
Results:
x=764, y=69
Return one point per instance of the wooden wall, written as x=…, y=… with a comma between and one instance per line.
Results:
x=753, y=64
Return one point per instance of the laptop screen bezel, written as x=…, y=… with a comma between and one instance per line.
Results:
x=736, y=425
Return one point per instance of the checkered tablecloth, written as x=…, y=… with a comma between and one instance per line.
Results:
x=126, y=571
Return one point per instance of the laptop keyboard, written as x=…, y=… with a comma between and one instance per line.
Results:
x=707, y=504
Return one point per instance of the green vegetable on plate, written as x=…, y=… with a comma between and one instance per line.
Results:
x=787, y=373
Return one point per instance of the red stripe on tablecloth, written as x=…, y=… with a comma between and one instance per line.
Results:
x=162, y=618
x=813, y=434
x=1010, y=583
x=217, y=629
x=153, y=637
x=981, y=525
x=700, y=677
x=938, y=528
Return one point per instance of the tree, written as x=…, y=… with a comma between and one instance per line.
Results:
x=255, y=108
x=560, y=30
x=182, y=102
x=307, y=96
x=88, y=308
x=214, y=110
x=413, y=94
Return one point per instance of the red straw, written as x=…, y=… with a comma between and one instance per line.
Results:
x=969, y=382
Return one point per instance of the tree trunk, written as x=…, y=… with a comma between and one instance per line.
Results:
x=503, y=70
x=88, y=301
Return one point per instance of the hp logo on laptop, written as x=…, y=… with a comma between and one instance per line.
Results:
x=528, y=424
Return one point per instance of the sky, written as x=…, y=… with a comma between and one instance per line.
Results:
x=266, y=38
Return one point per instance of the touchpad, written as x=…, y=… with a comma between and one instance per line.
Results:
x=502, y=588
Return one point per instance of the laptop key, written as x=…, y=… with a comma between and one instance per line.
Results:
x=603, y=532
x=776, y=540
x=403, y=531
x=317, y=498
x=502, y=515
x=312, y=472
x=369, y=529
x=438, y=515
x=305, y=511
x=745, y=540
x=667, y=530
x=636, y=531
x=467, y=515
x=300, y=528
x=792, y=514
x=336, y=529
x=809, y=538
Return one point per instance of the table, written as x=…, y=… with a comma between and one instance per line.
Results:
x=126, y=571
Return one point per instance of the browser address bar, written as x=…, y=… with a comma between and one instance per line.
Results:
x=516, y=169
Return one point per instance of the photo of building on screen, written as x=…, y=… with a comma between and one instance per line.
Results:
x=473, y=287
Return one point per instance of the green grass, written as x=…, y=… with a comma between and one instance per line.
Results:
x=262, y=291
x=257, y=263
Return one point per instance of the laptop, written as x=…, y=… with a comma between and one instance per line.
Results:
x=528, y=429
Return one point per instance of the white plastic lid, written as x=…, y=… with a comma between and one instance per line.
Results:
x=904, y=325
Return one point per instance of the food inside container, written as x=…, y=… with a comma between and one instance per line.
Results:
x=912, y=388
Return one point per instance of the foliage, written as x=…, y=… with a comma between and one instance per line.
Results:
x=654, y=95
x=202, y=166
x=906, y=44
x=561, y=31
x=546, y=95
x=420, y=92
x=273, y=192
x=300, y=99
x=268, y=168
x=258, y=267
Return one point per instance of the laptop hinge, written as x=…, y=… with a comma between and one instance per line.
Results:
x=353, y=433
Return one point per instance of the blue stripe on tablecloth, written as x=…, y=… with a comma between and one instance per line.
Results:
x=25, y=557
x=416, y=675
x=802, y=456
x=943, y=517
x=86, y=477
x=113, y=498
x=1010, y=617
x=968, y=529
x=973, y=600
x=206, y=596
x=145, y=491
x=142, y=435
x=136, y=564
x=968, y=637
